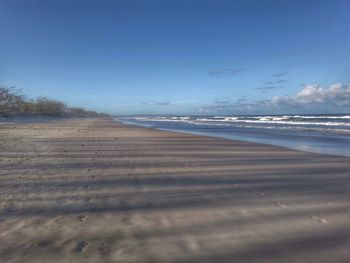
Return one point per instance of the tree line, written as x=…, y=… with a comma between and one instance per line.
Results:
x=13, y=102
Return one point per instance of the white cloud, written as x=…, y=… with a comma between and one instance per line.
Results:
x=335, y=95
x=311, y=99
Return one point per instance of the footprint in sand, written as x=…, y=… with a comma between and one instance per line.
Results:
x=321, y=220
x=259, y=193
x=103, y=248
x=191, y=245
x=81, y=247
x=82, y=218
x=280, y=204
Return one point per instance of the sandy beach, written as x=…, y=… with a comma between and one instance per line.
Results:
x=94, y=190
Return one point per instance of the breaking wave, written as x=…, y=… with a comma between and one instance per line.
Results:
x=290, y=120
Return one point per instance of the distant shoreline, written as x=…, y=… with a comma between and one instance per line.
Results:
x=320, y=134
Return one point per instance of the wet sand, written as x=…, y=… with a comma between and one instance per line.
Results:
x=100, y=191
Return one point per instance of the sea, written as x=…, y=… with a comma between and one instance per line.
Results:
x=327, y=134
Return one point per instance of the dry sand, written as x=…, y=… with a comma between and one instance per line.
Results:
x=99, y=191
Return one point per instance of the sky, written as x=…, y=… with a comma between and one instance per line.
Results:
x=180, y=57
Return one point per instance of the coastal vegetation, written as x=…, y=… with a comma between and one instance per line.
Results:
x=14, y=103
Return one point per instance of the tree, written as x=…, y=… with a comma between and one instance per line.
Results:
x=13, y=102
x=10, y=99
x=46, y=106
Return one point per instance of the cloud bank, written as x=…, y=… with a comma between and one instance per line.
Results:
x=225, y=72
x=168, y=102
x=276, y=82
x=280, y=74
x=267, y=88
x=311, y=99
x=336, y=95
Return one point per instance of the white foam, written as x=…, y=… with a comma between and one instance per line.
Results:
x=294, y=120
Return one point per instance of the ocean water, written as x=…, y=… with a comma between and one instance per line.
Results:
x=328, y=134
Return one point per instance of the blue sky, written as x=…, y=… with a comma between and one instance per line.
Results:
x=178, y=57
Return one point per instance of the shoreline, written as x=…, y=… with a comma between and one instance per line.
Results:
x=97, y=190
x=227, y=138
